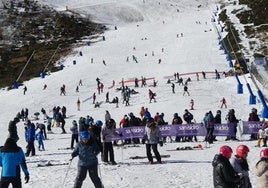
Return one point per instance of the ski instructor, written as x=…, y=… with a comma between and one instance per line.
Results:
x=11, y=158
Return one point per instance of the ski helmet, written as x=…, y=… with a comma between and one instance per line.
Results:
x=241, y=150
x=84, y=134
x=226, y=151
x=218, y=112
x=110, y=123
x=99, y=123
x=264, y=153
x=74, y=122
x=176, y=114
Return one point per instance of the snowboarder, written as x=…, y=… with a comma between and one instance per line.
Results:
x=87, y=150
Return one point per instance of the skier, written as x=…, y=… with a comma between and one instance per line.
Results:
x=74, y=130
x=11, y=159
x=261, y=167
x=223, y=102
x=108, y=131
x=224, y=174
x=12, y=129
x=107, y=97
x=40, y=137
x=87, y=150
x=152, y=136
x=188, y=117
x=95, y=130
x=173, y=87
x=24, y=90
x=240, y=165
x=78, y=104
x=186, y=90
x=94, y=98
x=152, y=96
x=191, y=104
x=177, y=121
x=30, y=138
x=232, y=119
x=253, y=116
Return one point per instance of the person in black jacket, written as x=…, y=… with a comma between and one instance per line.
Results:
x=224, y=175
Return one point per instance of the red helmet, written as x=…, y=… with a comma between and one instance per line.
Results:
x=226, y=151
x=264, y=153
x=241, y=150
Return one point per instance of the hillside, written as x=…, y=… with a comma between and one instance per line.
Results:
x=28, y=27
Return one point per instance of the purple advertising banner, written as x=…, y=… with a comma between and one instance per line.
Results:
x=196, y=129
x=251, y=127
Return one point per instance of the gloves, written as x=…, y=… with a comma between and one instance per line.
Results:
x=71, y=159
x=161, y=143
x=27, y=177
x=143, y=141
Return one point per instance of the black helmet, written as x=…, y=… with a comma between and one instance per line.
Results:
x=218, y=112
x=176, y=114
x=110, y=123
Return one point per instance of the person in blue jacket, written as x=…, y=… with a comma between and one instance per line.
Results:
x=11, y=159
x=87, y=150
x=30, y=138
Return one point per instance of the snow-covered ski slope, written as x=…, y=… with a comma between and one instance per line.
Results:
x=143, y=28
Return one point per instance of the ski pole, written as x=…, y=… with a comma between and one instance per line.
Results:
x=100, y=176
x=62, y=186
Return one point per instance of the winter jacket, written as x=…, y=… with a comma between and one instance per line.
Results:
x=152, y=135
x=11, y=158
x=261, y=171
x=74, y=129
x=108, y=133
x=87, y=153
x=31, y=132
x=240, y=165
x=224, y=175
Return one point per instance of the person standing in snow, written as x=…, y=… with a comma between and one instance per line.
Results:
x=74, y=130
x=87, y=150
x=192, y=104
x=30, y=138
x=240, y=165
x=78, y=104
x=224, y=174
x=152, y=136
x=11, y=159
x=40, y=137
x=173, y=87
x=261, y=169
x=108, y=131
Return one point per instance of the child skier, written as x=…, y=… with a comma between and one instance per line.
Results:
x=40, y=137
